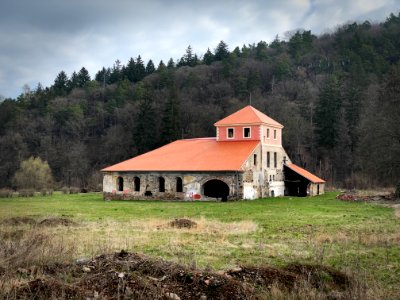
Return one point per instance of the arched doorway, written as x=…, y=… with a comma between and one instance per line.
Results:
x=216, y=189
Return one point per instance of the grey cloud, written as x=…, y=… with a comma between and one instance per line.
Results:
x=42, y=37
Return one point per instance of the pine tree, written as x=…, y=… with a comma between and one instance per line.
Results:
x=140, y=70
x=327, y=112
x=83, y=77
x=60, y=86
x=73, y=81
x=161, y=66
x=130, y=70
x=172, y=117
x=208, y=57
x=222, y=51
x=150, y=67
x=171, y=64
x=144, y=135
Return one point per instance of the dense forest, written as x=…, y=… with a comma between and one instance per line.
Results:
x=337, y=94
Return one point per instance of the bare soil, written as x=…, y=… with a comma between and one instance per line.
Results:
x=183, y=223
x=126, y=275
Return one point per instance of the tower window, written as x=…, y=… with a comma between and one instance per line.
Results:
x=246, y=132
x=274, y=134
x=267, y=133
x=231, y=133
x=255, y=159
x=268, y=159
x=275, y=160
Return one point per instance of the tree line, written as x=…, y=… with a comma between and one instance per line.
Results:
x=337, y=94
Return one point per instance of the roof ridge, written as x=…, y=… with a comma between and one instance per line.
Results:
x=247, y=115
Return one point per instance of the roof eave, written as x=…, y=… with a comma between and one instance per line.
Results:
x=242, y=124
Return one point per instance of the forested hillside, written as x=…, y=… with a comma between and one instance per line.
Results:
x=338, y=96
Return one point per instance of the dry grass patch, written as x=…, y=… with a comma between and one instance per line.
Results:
x=367, y=239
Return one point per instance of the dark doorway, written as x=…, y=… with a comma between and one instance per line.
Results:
x=161, y=184
x=179, y=185
x=216, y=189
x=137, y=184
x=295, y=184
x=120, y=183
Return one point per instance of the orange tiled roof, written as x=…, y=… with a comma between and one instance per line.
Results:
x=305, y=173
x=202, y=154
x=248, y=115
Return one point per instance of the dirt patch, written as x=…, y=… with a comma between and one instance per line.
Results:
x=387, y=199
x=183, y=223
x=15, y=221
x=322, y=276
x=126, y=275
x=56, y=222
x=264, y=276
x=354, y=197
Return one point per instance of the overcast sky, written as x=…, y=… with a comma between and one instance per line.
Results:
x=39, y=38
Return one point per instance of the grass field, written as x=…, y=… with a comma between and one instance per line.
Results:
x=359, y=238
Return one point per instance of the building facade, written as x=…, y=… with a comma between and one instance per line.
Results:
x=245, y=160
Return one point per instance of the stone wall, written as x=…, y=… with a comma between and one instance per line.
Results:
x=315, y=189
x=149, y=185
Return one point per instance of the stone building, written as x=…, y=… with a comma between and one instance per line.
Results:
x=245, y=160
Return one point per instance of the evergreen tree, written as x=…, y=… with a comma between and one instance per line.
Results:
x=140, y=71
x=145, y=136
x=83, y=77
x=171, y=64
x=103, y=76
x=222, y=51
x=150, y=67
x=327, y=111
x=60, y=86
x=116, y=72
x=73, y=81
x=130, y=70
x=208, y=57
x=171, y=117
x=161, y=66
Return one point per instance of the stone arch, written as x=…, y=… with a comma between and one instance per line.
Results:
x=216, y=188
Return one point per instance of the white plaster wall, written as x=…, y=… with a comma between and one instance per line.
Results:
x=249, y=192
x=278, y=187
x=109, y=183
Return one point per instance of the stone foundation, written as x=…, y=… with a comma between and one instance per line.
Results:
x=149, y=189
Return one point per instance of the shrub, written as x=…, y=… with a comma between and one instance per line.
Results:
x=74, y=190
x=397, y=191
x=33, y=174
x=26, y=193
x=46, y=192
x=65, y=190
x=6, y=193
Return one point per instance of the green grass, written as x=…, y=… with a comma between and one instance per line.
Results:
x=359, y=237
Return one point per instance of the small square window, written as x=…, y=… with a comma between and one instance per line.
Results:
x=231, y=133
x=246, y=132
